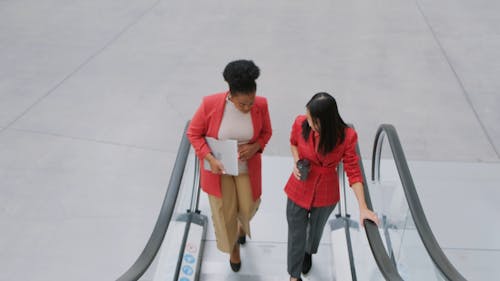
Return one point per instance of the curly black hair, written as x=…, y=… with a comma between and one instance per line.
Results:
x=241, y=76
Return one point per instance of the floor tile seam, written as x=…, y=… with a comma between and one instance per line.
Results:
x=96, y=141
x=493, y=159
x=68, y=218
x=464, y=91
x=471, y=249
x=496, y=162
x=83, y=64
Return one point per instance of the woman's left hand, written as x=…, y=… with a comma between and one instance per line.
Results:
x=365, y=213
x=246, y=151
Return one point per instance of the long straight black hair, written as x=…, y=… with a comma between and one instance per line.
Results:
x=325, y=115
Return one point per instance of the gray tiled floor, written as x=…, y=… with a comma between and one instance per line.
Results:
x=94, y=96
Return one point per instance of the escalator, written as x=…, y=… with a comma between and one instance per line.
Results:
x=402, y=247
x=409, y=240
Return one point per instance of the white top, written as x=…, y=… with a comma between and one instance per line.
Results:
x=236, y=125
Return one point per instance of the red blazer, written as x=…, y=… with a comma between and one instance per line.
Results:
x=206, y=123
x=321, y=188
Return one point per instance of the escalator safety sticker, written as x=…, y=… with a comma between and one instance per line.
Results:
x=191, y=248
x=190, y=263
x=188, y=270
x=189, y=258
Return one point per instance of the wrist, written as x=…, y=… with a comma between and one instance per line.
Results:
x=363, y=207
x=210, y=158
x=256, y=146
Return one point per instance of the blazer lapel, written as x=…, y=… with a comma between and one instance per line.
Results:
x=219, y=105
x=314, y=145
x=256, y=121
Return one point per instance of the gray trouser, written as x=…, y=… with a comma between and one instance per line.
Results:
x=305, y=228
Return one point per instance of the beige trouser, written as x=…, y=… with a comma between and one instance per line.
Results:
x=235, y=207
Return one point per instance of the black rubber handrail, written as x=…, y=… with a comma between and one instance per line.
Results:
x=384, y=262
x=424, y=230
x=167, y=209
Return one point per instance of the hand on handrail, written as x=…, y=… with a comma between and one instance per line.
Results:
x=366, y=213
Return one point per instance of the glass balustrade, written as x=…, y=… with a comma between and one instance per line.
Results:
x=165, y=262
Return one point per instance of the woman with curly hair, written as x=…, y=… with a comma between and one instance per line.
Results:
x=237, y=114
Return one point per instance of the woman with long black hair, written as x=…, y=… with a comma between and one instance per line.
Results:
x=321, y=139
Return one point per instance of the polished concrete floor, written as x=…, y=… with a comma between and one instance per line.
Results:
x=94, y=96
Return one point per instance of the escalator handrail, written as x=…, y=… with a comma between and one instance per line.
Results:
x=167, y=209
x=424, y=230
x=384, y=262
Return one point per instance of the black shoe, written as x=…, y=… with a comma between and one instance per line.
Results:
x=242, y=240
x=307, y=263
x=235, y=266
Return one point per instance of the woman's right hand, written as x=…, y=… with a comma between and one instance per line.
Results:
x=216, y=166
x=295, y=154
x=296, y=172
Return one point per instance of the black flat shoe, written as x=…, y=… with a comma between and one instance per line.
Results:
x=242, y=240
x=307, y=263
x=235, y=266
